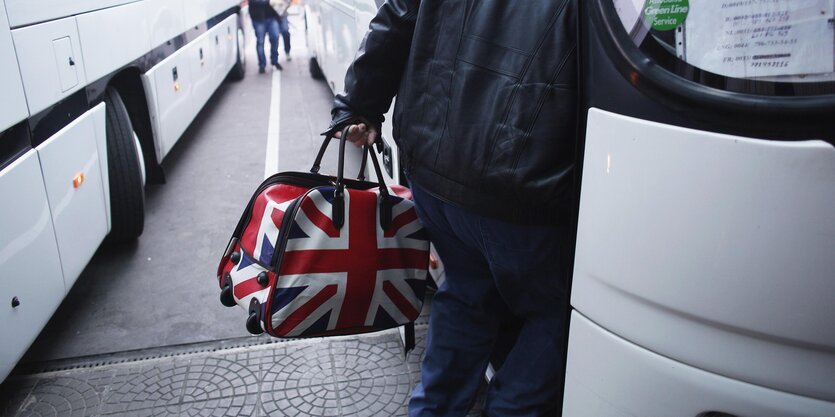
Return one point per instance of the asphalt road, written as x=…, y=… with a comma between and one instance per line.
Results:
x=161, y=290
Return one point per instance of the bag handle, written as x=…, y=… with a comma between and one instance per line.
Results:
x=321, y=154
x=339, y=192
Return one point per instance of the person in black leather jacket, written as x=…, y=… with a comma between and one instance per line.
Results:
x=485, y=119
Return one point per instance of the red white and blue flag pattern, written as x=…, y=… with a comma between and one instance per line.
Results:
x=330, y=280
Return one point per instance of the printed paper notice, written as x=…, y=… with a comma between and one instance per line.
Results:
x=760, y=38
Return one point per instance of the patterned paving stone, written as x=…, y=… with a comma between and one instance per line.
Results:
x=213, y=378
x=378, y=396
x=167, y=411
x=417, y=354
x=368, y=356
x=13, y=394
x=310, y=401
x=298, y=365
x=222, y=407
x=159, y=385
x=60, y=396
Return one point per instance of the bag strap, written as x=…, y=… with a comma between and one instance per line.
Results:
x=321, y=154
x=339, y=193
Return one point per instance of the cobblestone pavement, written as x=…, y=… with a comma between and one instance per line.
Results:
x=363, y=375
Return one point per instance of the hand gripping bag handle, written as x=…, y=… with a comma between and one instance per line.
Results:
x=339, y=193
x=318, y=161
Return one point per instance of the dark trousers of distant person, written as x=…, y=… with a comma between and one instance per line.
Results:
x=494, y=270
x=266, y=27
x=284, y=29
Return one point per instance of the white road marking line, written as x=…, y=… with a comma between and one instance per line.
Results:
x=271, y=163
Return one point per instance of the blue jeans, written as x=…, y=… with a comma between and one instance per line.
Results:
x=266, y=27
x=494, y=270
x=284, y=29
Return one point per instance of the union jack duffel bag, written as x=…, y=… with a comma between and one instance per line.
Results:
x=316, y=255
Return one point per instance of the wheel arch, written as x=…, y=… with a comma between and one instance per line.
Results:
x=128, y=83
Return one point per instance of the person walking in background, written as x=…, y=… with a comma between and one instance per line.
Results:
x=284, y=29
x=265, y=22
x=485, y=121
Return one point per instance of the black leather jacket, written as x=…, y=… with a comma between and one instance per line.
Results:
x=485, y=115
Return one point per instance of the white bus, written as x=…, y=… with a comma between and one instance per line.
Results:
x=93, y=95
x=704, y=271
x=334, y=31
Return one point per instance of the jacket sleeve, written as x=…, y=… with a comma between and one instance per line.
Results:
x=373, y=78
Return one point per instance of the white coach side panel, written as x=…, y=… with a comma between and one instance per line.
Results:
x=169, y=86
x=13, y=104
x=718, y=250
x=28, y=258
x=27, y=12
x=166, y=20
x=224, y=35
x=51, y=64
x=199, y=11
x=104, y=51
x=77, y=206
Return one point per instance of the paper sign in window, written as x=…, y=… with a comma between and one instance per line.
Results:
x=759, y=38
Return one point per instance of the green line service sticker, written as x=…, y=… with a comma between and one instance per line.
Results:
x=665, y=14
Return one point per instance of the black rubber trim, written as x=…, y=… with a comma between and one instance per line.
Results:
x=58, y=116
x=678, y=92
x=14, y=142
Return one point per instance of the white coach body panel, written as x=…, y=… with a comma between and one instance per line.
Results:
x=224, y=36
x=78, y=213
x=170, y=99
x=51, y=62
x=609, y=376
x=13, y=105
x=339, y=40
x=199, y=11
x=166, y=20
x=201, y=55
x=28, y=258
x=104, y=52
x=335, y=29
x=684, y=249
x=27, y=12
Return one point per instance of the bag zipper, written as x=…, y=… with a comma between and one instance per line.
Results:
x=278, y=254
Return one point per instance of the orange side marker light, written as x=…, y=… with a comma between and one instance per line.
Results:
x=78, y=180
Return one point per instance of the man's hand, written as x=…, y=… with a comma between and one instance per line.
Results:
x=359, y=134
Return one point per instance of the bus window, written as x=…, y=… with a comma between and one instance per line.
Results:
x=763, y=47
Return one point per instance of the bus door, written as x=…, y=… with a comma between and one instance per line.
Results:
x=704, y=276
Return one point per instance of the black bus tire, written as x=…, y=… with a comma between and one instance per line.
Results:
x=239, y=69
x=315, y=69
x=127, y=194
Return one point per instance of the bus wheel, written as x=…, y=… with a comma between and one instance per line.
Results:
x=315, y=69
x=124, y=170
x=239, y=69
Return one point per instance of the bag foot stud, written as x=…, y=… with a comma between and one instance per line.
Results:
x=263, y=279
